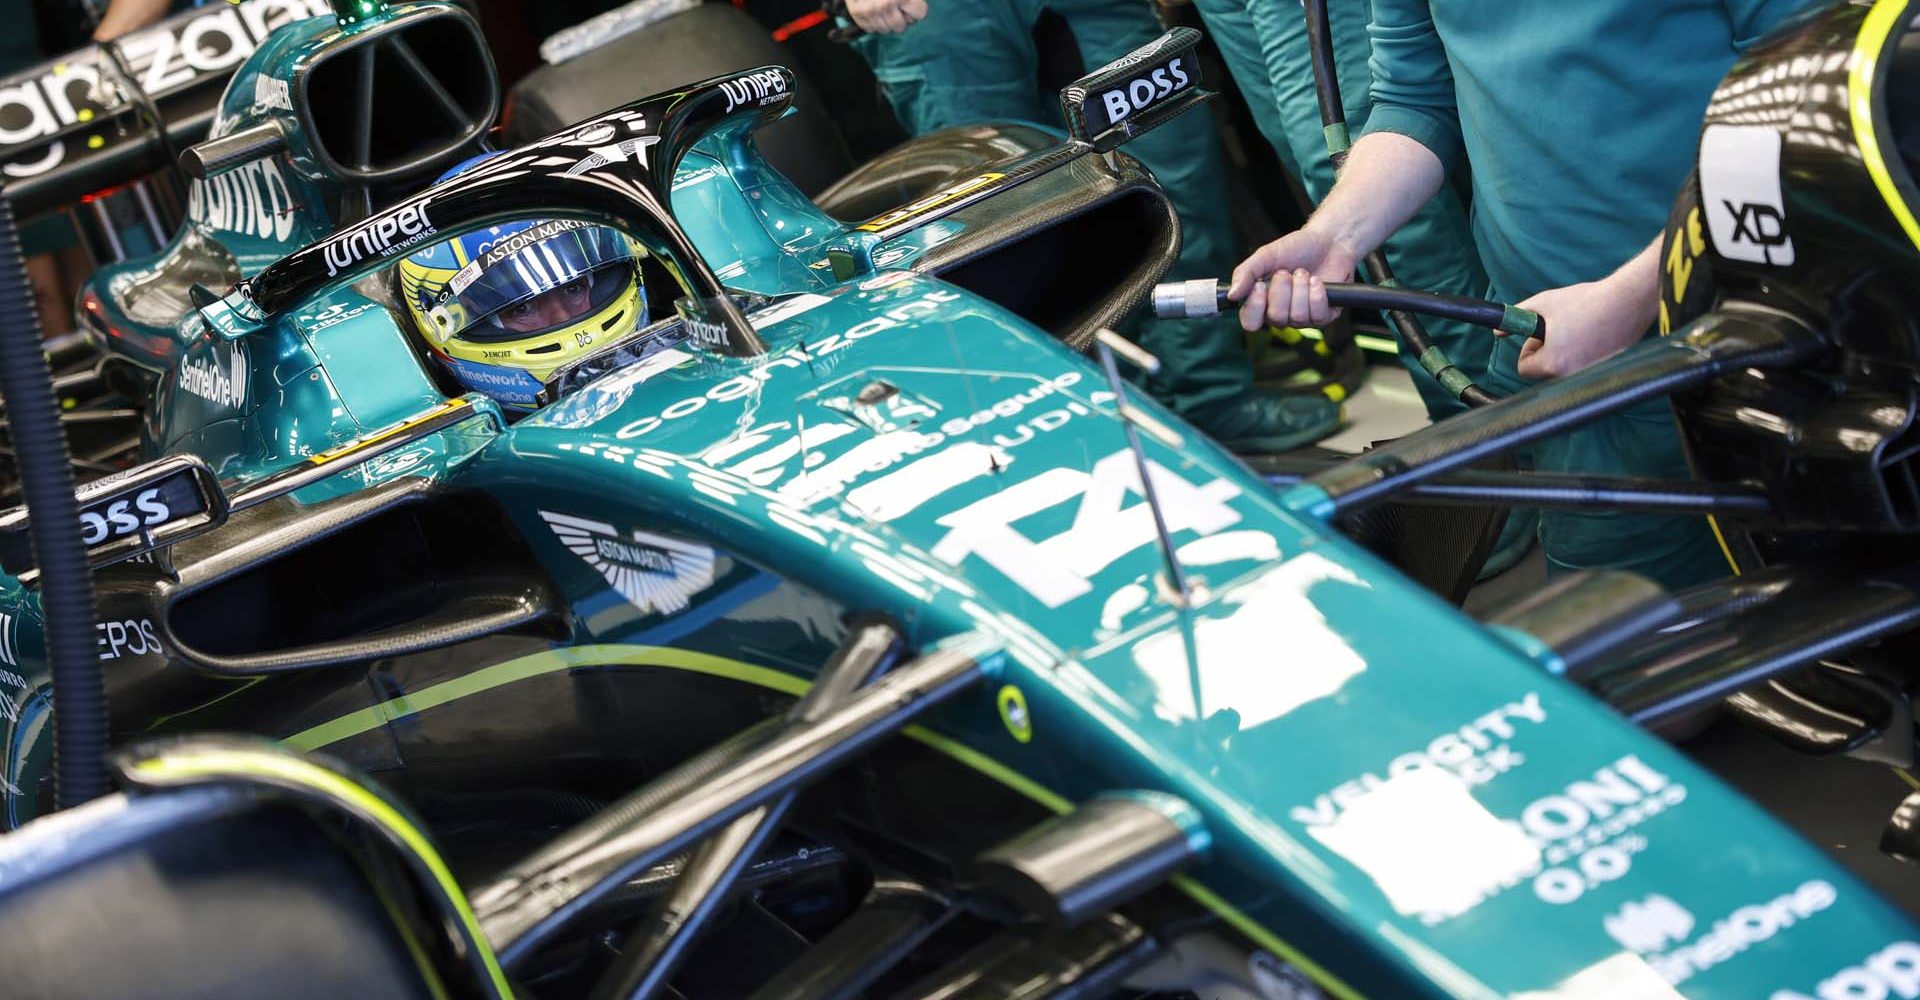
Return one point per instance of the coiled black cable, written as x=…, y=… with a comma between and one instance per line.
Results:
x=1333, y=121
x=66, y=582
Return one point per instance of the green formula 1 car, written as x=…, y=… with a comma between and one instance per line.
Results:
x=1142, y=723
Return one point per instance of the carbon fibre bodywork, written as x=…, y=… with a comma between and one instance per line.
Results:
x=491, y=617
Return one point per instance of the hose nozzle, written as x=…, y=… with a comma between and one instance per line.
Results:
x=1204, y=297
x=1194, y=299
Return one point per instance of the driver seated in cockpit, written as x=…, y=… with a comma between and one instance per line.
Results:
x=501, y=310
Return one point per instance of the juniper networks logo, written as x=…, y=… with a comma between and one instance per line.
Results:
x=220, y=380
x=654, y=573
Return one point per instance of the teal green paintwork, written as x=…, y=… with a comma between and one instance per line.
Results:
x=1301, y=687
x=1531, y=647
x=993, y=492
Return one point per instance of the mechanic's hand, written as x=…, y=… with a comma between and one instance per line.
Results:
x=1284, y=282
x=1589, y=322
x=886, y=17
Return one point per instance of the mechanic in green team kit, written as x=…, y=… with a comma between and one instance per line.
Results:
x=1264, y=44
x=1266, y=49
x=1524, y=99
x=954, y=62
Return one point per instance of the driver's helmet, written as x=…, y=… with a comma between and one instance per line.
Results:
x=501, y=309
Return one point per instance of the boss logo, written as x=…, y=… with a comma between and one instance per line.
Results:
x=124, y=517
x=1145, y=90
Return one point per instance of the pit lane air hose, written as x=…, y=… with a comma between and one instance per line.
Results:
x=1206, y=297
x=66, y=583
x=1333, y=121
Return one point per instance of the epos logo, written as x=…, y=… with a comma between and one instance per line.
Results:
x=1142, y=91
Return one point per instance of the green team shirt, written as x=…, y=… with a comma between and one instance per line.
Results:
x=19, y=46
x=1579, y=118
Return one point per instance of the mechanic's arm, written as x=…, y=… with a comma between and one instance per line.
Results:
x=1413, y=136
x=1387, y=177
x=123, y=16
x=886, y=17
x=1594, y=320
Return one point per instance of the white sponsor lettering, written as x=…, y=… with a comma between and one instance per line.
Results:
x=217, y=383
x=124, y=517
x=1579, y=838
x=388, y=466
x=1056, y=570
x=220, y=381
x=793, y=357
x=758, y=89
x=383, y=235
x=333, y=316
x=1649, y=924
x=617, y=152
x=1476, y=753
x=1142, y=92
x=828, y=478
x=704, y=333
x=1583, y=831
x=131, y=637
x=252, y=199
x=1657, y=928
x=1893, y=971
x=10, y=640
x=1462, y=852
x=492, y=252
x=162, y=58
x=271, y=93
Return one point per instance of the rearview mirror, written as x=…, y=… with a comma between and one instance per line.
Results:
x=1136, y=92
x=129, y=513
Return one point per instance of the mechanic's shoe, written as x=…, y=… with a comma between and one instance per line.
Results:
x=1270, y=421
x=1516, y=540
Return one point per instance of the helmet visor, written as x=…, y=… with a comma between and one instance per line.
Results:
x=540, y=278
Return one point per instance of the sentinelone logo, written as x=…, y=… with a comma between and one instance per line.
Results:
x=222, y=382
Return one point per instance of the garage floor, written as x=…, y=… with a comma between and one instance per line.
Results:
x=1838, y=803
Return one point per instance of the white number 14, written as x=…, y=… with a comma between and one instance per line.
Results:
x=1056, y=570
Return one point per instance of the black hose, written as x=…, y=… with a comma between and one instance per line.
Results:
x=1200, y=297
x=66, y=583
x=1333, y=121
